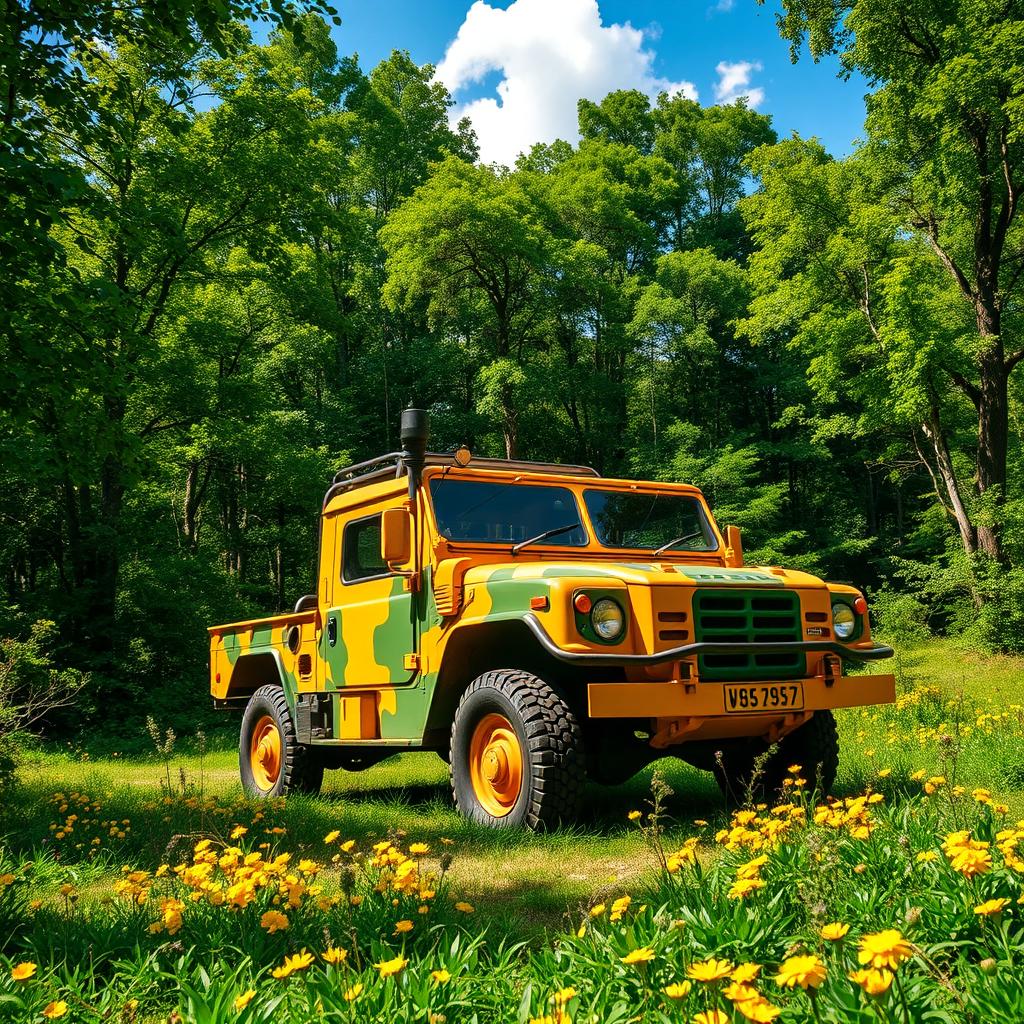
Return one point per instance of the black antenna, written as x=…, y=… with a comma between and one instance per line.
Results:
x=414, y=433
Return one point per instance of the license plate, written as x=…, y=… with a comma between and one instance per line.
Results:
x=757, y=698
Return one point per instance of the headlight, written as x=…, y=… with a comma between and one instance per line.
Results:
x=844, y=622
x=607, y=619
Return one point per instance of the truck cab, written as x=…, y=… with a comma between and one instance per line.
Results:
x=538, y=625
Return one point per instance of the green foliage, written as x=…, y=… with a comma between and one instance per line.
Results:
x=225, y=266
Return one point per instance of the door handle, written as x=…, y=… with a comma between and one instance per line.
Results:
x=332, y=629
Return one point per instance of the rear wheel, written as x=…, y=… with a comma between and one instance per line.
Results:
x=516, y=753
x=271, y=762
x=747, y=770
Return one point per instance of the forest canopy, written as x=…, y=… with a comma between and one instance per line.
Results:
x=226, y=265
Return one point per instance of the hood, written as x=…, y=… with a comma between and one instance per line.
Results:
x=644, y=573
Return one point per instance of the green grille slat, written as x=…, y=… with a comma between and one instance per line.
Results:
x=747, y=616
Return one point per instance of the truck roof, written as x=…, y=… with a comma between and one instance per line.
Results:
x=392, y=466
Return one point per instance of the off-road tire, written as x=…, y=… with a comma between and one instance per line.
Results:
x=550, y=740
x=301, y=770
x=814, y=746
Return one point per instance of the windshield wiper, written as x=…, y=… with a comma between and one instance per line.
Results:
x=672, y=543
x=516, y=548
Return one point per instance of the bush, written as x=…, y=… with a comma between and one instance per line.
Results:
x=31, y=688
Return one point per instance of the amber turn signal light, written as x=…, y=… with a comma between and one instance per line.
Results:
x=582, y=603
x=860, y=606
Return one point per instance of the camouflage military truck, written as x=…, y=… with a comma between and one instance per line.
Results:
x=537, y=625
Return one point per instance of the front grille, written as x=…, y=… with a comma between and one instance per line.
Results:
x=747, y=616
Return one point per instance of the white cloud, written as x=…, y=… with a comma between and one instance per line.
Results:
x=724, y=6
x=550, y=54
x=734, y=82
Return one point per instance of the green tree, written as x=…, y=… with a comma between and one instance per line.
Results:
x=470, y=247
x=944, y=133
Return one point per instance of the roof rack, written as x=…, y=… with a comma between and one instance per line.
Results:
x=392, y=465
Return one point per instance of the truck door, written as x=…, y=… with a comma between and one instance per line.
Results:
x=369, y=631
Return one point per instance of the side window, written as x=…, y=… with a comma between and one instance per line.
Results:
x=360, y=550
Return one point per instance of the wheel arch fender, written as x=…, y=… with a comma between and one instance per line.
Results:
x=478, y=647
x=255, y=669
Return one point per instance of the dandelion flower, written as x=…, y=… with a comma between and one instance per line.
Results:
x=440, y=976
x=55, y=1009
x=886, y=948
x=401, y=927
x=598, y=910
x=331, y=836
x=634, y=815
x=238, y=831
x=388, y=968
x=352, y=994
x=419, y=849
x=710, y=970
x=835, y=931
x=334, y=955
x=642, y=955
x=464, y=907
x=242, y=1001
x=805, y=971
x=23, y=971
x=563, y=995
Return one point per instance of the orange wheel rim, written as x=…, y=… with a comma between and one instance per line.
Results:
x=265, y=753
x=496, y=764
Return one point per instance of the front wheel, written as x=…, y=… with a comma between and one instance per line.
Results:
x=516, y=753
x=271, y=761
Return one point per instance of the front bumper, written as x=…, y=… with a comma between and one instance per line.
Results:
x=683, y=699
x=595, y=660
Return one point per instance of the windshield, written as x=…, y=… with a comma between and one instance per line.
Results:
x=630, y=519
x=484, y=512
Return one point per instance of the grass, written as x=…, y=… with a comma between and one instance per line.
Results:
x=532, y=884
x=956, y=718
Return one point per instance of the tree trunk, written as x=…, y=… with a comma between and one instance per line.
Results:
x=993, y=427
x=932, y=428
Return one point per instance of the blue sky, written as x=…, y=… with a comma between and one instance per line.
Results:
x=543, y=53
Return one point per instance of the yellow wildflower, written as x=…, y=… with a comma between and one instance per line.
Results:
x=835, y=931
x=710, y=970
x=242, y=1001
x=419, y=849
x=805, y=971
x=55, y=1009
x=352, y=994
x=642, y=955
x=886, y=948
x=875, y=982
x=23, y=971
x=464, y=907
x=274, y=921
x=298, y=962
x=678, y=989
x=388, y=968
x=334, y=955
x=440, y=976
x=746, y=973
x=990, y=907
x=331, y=836
x=711, y=1017
x=401, y=927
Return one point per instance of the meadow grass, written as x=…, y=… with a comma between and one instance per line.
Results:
x=957, y=720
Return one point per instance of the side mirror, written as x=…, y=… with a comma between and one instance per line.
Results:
x=733, y=548
x=396, y=536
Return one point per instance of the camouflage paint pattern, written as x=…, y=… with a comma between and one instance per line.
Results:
x=392, y=640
